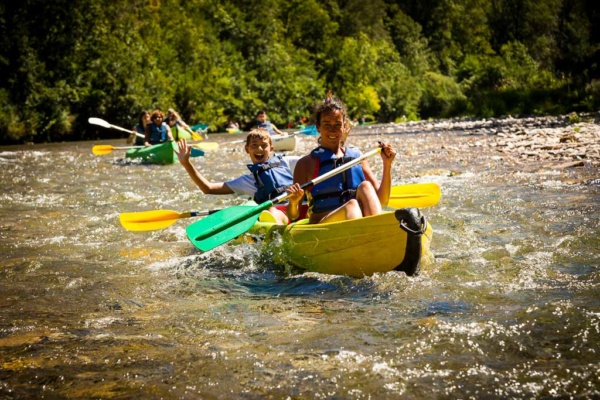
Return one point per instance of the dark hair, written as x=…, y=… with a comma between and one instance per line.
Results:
x=260, y=112
x=329, y=103
x=142, y=115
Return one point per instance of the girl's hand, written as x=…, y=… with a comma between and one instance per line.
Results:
x=387, y=153
x=296, y=193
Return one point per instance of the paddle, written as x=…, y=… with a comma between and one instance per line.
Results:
x=103, y=149
x=104, y=124
x=156, y=219
x=231, y=222
x=419, y=195
x=195, y=136
x=209, y=146
x=274, y=139
x=310, y=130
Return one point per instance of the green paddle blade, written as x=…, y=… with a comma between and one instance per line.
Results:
x=223, y=226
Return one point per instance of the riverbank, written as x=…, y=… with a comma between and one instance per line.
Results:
x=531, y=144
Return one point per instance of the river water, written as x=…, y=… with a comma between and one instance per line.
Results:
x=510, y=307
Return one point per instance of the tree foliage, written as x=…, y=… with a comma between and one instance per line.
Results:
x=62, y=62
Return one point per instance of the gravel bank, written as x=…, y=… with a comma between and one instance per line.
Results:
x=519, y=144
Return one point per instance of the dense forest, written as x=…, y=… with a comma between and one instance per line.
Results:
x=63, y=61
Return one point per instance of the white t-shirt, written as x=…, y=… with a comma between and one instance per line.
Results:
x=246, y=184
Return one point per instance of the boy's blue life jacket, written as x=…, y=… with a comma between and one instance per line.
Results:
x=337, y=190
x=271, y=179
x=266, y=125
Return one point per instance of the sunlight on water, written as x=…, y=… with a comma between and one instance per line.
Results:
x=508, y=309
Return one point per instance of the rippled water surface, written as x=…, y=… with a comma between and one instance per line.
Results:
x=509, y=309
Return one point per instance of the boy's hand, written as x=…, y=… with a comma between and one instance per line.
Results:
x=184, y=151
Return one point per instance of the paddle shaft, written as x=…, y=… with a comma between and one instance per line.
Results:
x=266, y=205
x=273, y=139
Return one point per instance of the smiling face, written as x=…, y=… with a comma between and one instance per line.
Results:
x=259, y=148
x=331, y=128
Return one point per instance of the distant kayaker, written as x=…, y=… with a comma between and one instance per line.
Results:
x=233, y=125
x=157, y=131
x=262, y=122
x=173, y=119
x=351, y=194
x=138, y=132
x=269, y=175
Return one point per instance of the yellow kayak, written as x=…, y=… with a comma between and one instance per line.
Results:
x=397, y=240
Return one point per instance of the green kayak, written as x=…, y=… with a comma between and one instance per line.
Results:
x=180, y=133
x=158, y=154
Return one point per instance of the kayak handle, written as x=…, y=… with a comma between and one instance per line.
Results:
x=411, y=222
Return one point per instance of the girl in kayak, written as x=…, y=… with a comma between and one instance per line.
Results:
x=351, y=194
x=139, y=130
x=157, y=131
x=269, y=175
x=175, y=122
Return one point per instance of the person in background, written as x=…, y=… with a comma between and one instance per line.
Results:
x=139, y=130
x=157, y=131
x=233, y=125
x=268, y=177
x=175, y=122
x=262, y=122
x=351, y=194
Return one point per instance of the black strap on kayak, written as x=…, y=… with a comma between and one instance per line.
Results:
x=414, y=224
x=411, y=221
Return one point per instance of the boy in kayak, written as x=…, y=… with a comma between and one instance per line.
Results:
x=262, y=122
x=269, y=175
x=351, y=194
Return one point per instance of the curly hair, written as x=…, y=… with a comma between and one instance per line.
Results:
x=156, y=113
x=329, y=103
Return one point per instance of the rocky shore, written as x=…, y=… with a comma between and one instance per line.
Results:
x=551, y=142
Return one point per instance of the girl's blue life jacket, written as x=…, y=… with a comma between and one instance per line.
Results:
x=139, y=140
x=337, y=190
x=271, y=178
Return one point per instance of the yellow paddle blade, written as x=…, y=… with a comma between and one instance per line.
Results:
x=102, y=149
x=419, y=195
x=207, y=146
x=196, y=136
x=150, y=220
